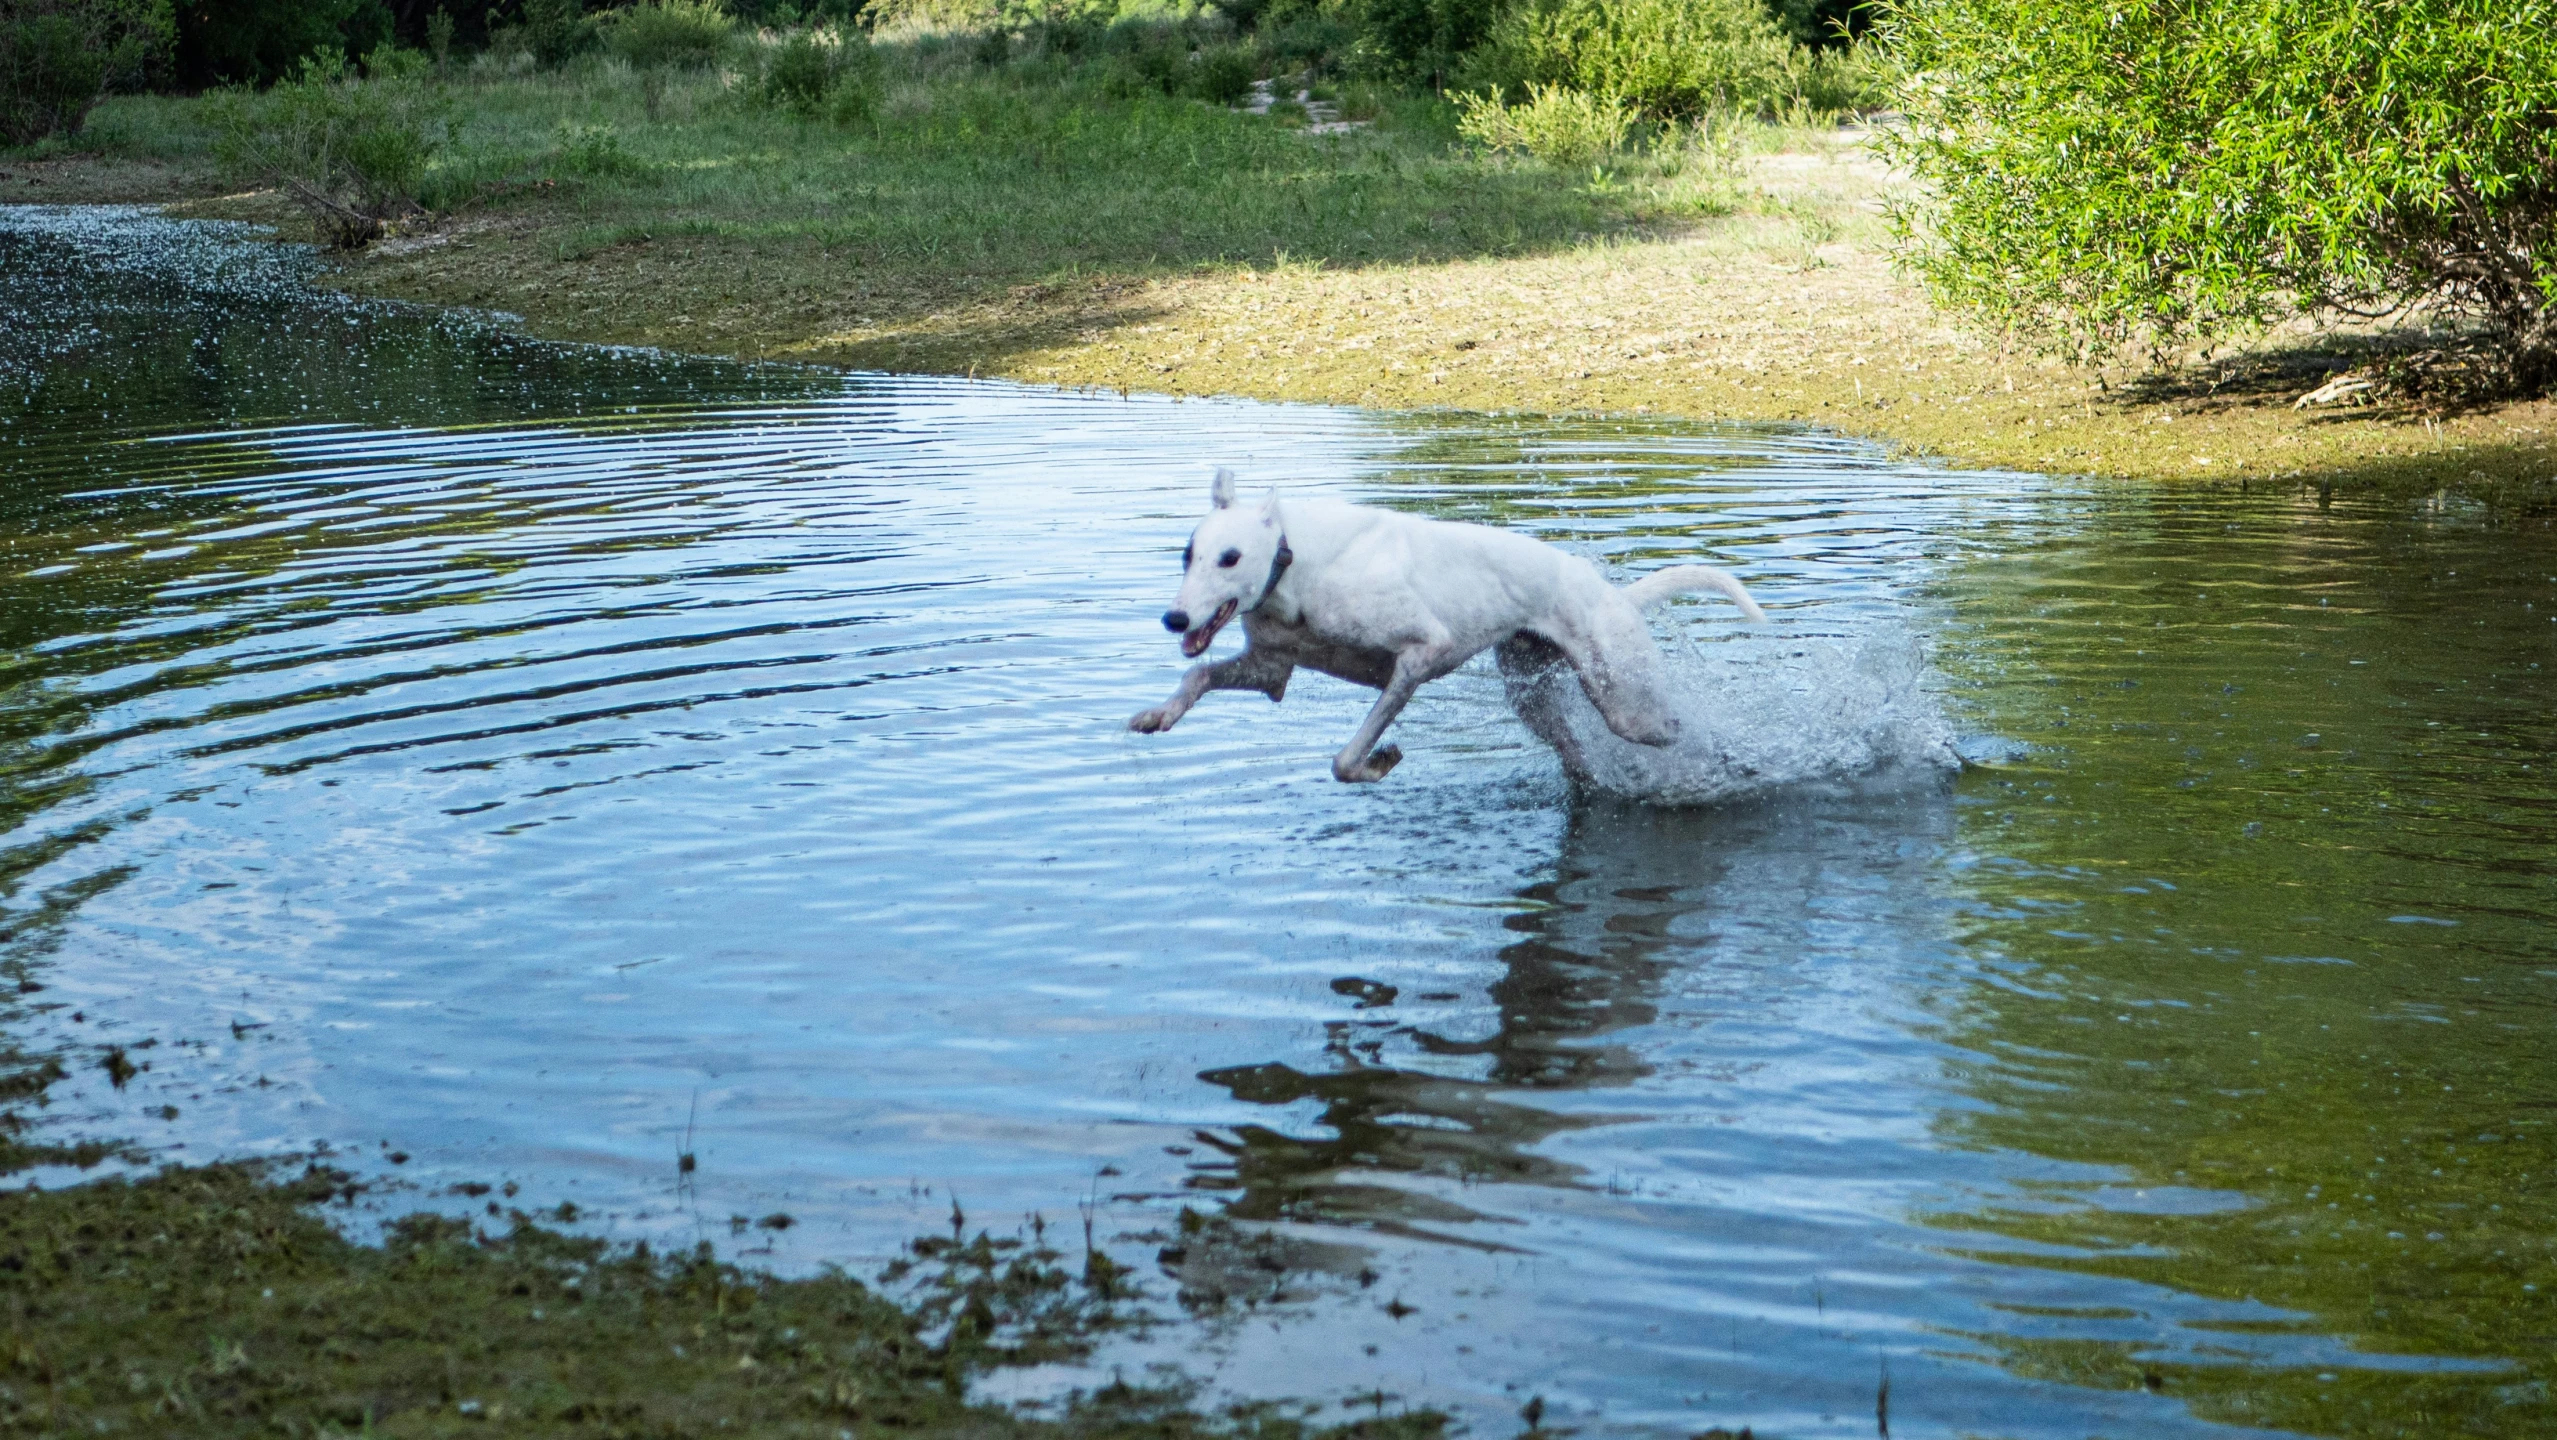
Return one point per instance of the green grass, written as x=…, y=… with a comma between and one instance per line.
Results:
x=1040, y=166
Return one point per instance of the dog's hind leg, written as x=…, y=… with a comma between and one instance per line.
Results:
x=1251, y=670
x=1620, y=672
x=1534, y=672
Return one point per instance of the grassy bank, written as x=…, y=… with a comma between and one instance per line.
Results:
x=220, y=1300
x=1011, y=211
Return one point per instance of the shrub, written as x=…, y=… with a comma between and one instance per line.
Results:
x=353, y=153
x=832, y=72
x=1311, y=44
x=2100, y=176
x=1223, y=74
x=1823, y=24
x=800, y=75
x=667, y=34
x=1415, y=40
x=596, y=152
x=58, y=56
x=1146, y=72
x=1567, y=129
x=1842, y=79
x=1665, y=57
x=556, y=31
x=439, y=38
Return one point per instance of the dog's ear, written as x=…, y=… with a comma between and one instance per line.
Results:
x=1220, y=492
x=1269, y=508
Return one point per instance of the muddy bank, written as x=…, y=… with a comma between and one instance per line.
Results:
x=1786, y=310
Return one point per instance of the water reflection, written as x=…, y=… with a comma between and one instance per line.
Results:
x=2304, y=966
x=1593, y=942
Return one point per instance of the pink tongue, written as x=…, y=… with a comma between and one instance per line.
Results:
x=1196, y=642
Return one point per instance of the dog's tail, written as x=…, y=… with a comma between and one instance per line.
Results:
x=1659, y=585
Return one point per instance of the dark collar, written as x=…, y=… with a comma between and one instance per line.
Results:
x=1278, y=566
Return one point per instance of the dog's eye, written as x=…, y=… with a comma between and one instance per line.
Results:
x=1230, y=559
x=1185, y=557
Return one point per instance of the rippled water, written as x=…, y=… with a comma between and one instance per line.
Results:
x=534, y=762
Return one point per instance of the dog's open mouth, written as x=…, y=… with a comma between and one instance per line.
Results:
x=1195, y=641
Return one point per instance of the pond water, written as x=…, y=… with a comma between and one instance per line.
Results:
x=504, y=762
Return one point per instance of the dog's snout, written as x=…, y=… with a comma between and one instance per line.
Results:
x=1176, y=621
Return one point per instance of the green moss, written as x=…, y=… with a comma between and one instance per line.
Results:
x=216, y=1300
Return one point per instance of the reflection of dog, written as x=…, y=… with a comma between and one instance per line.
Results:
x=1393, y=601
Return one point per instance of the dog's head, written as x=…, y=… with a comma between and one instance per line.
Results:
x=1231, y=563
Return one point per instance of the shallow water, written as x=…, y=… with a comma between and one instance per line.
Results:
x=535, y=762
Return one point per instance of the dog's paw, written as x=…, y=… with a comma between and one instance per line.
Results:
x=1380, y=761
x=1148, y=722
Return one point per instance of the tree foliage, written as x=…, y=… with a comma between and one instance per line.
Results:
x=58, y=56
x=2157, y=171
x=257, y=41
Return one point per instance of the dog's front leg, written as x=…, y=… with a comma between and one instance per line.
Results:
x=1251, y=670
x=1357, y=761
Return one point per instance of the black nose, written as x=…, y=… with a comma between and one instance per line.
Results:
x=1176, y=621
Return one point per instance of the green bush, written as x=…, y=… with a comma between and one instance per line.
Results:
x=1823, y=24
x=1414, y=41
x=1313, y=44
x=1146, y=72
x=800, y=75
x=351, y=152
x=2098, y=176
x=833, y=73
x=439, y=38
x=556, y=31
x=596, y=152
x=1567, y=129
x=58, y=56
x=1222, y=74
x=667, y=34
x=1665, y=57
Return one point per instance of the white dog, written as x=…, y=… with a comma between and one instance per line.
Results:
x=1394, y=601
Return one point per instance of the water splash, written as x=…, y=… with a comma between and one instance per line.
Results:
x=1836, y=712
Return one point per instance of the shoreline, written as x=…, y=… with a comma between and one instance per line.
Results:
x=1786, y=310
x=1610, y=332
